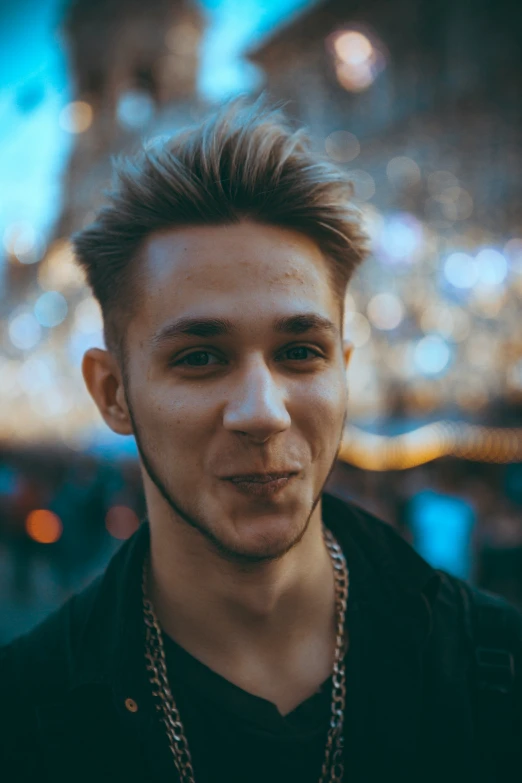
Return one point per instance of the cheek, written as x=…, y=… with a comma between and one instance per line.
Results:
x=166, y=413
x=322, y=407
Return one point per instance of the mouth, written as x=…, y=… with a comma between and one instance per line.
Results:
x=261, y=484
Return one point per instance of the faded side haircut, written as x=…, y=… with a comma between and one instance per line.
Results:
x=244, y=162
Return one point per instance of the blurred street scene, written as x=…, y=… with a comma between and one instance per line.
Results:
x=420, y=103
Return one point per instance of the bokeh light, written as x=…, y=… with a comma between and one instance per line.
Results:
x=37, y=374
x=24, y=331
x=403, y=171
x=513, y=251
x=44, y=526
x=492, y=267
x=342, y=146
x=22, y=242
x=121, y=522
x=357, y=329
x=385, y=311
x=401, y=238
x=59, y=270
x=461, y=270
x=363, y=184
x=432, y=355
x=51, y=309
x=76, y=117
x=353, y=48
x=358, y=60
x=456, y=204
x=438, y=318
x=135, y=109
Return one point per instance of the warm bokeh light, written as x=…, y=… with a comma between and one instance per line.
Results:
x=44, y=526
x=59, y=271
x=369, y=451
x=76, y=117
x=353, y=48
x=358, y=60
x=357, y=329
x=22, y=243
x=385, y=311
x=121, y=522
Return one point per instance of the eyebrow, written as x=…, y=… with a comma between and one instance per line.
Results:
x=218, y=327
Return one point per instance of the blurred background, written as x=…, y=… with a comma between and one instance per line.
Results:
x=420, y=102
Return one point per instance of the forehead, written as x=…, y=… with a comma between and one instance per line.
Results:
x=246, y=271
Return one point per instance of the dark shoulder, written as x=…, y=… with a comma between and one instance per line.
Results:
x=40, y=661
x=485, y=614
x=362, y=523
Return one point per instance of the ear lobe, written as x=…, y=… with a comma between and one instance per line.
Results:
x=103, y=379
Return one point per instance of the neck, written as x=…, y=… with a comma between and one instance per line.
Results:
x=219, y=610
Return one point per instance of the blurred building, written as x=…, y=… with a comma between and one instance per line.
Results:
x=438, y=81
x=130, y=62
x=133, y=70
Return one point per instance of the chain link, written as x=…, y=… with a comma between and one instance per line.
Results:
x=333, y=765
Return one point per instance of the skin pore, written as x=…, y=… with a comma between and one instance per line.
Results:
x=244, y=583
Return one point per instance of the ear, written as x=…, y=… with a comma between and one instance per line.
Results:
x=347, y=352
x=103, y=378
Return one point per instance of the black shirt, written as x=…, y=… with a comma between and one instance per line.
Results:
x=236, y=736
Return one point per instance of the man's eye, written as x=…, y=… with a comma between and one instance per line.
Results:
x=196, y=359
x=300, y=352
x=203, y=358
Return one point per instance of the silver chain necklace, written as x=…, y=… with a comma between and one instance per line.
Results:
x=333, y=766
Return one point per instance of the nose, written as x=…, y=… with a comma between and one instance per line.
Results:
x=256, y=406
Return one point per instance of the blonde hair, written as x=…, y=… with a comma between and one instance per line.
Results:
x=243, y=162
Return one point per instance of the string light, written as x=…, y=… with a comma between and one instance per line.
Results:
x=444, y=438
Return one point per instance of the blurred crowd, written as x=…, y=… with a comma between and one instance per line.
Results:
x=63, y=515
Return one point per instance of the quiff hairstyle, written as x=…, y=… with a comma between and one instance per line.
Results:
x=244, y=162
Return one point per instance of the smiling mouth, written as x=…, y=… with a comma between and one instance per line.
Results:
x=261, y=478
x=262, y=485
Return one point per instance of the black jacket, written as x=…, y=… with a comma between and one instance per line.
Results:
x=410, y=714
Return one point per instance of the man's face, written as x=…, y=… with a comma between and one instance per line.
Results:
x=254, y=394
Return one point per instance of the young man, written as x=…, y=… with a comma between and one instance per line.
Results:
x=255, y=628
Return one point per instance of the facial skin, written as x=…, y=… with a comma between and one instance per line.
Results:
x=244, y=584
x=254, y=400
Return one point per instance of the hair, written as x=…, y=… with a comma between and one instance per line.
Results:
x=244, y=162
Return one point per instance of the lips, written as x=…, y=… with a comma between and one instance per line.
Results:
x=265, y=485
x=260, y=478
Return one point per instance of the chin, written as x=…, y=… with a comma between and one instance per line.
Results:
x=261, y=538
